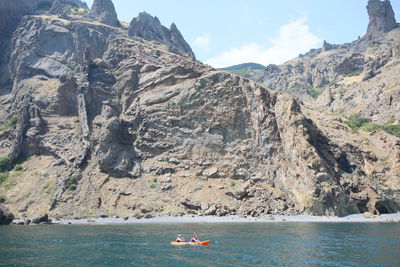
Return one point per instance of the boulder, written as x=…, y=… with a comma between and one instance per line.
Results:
x=191, y=205
x=6, y=217
x=41, y=218
x=368, y=215
x=211, y=173
x=210, y=211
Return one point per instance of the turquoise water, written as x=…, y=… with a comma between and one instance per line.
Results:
x=272, y=244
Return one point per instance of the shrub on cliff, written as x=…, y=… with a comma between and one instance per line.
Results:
x=3, y=177
x=9, y=123
x=71, y=182
x=392, y=129
x=5, y=164
x=356, y=121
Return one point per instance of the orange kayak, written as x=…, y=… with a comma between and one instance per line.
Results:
x=202, y=243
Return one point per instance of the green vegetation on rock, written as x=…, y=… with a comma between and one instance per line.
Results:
x=49, y=186
x=10, y=123
x=18, y=167
x=356, y=122
x=3, y=177
x=254, y=66
x=243, y=69
x=5, y=164
x=355, y=73
x=315, y=92
x=70, y=10
x=392, y=129
x=370, y=127
x=71, y=183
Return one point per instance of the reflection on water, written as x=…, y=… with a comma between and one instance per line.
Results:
x=272, y=244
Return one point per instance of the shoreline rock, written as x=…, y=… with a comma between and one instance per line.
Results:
x=6, y=217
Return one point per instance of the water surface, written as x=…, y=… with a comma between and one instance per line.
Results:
x=247, y=244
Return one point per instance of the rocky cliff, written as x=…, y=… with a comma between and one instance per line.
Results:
x=97, y=123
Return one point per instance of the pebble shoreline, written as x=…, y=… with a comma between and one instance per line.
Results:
x=358, y=218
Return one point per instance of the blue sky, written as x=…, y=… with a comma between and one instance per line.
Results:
x=227, y=32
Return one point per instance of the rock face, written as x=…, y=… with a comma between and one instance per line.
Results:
x=119, y=126
x=150, y=28
x=381, y=18
x=6, y=217
x=104, y=11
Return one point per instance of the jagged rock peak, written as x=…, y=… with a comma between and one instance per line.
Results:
x=326, y=46
x=381, y=18
x=150, y=28
x=104, y=11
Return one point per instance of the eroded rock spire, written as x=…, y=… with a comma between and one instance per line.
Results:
x=104, y=12
x=381, y=18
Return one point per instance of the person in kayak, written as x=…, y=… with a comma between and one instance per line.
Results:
x=194, y=238
x=180, y=238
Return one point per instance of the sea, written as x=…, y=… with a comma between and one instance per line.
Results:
x=232, y=244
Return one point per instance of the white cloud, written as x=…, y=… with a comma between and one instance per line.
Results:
x=291, y=40
x=202, y=42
